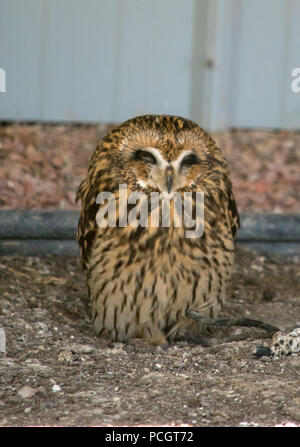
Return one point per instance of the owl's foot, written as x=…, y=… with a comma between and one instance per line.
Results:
x=197, y=339
x=244, y=322
x=153, y=336
x=187, y=330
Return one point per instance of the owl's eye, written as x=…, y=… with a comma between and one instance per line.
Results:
x=144, y=156
x=190, y=160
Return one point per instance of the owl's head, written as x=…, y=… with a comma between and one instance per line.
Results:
x=165, y=153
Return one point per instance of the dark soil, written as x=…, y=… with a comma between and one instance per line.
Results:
x=57, y=372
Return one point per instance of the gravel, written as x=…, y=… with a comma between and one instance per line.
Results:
x=55, y=371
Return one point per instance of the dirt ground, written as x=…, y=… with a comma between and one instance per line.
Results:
x=57, y=372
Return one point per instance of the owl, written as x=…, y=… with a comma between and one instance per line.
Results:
x=143, y=277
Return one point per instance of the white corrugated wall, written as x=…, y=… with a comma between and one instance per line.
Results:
x=223, y=63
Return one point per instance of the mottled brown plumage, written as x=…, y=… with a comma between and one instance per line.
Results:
x=143, y=280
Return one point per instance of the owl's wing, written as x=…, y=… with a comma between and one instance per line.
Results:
x=103, y=175
x=234, y=217
x=86, y=230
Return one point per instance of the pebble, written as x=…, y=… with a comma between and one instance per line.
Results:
x=154, y=393
x=81, y=349
x=294, y=412
x=151, y=376
x=65, y=356
x=56, y=388
x=84, y=394
x=296, y=402
x=97, y=412
x=27, y=392
x=294, y=361
x=278, y=398
x=265, y=359
x=117, y=349
x=36, y=366
x=41, y=328
x=228, y=354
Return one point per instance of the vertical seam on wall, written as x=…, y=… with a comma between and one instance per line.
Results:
x=43, y=57
x=285, y=69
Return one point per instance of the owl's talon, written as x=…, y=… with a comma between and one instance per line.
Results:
x=259, y=351
x=164, y=346
x=229, y=322
x=197, y=339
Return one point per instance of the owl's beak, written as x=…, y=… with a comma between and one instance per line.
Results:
x=169, y=182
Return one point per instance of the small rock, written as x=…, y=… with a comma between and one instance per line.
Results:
x=65, y=356
x=152, y=376
x=294, y=361
x=41, y=328
x=56, y=388
x=154, y=392
x=97, y=412
x=268, y=295
x=279, y=398
x=294, y=412
x=27, y=392
x=228, y=354
x=141, y=345
x=33, y=154
x=57, y=161
x=296, y=402
x=265, y=359
x=289, y=144
x=118, y=349
x=81, y=349
x=180, y=365
x=192, y=414
x=36, y=366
